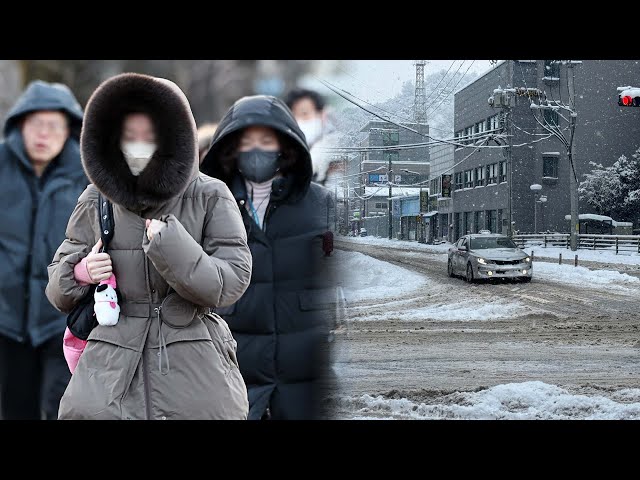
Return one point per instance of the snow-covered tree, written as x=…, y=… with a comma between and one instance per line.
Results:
x=614, y=190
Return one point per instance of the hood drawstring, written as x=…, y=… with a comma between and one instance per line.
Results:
x=162, y=344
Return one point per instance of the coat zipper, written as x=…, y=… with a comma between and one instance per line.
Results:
x=270, y=208
x=145, y=373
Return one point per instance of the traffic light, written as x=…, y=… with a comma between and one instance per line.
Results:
x=629, y=97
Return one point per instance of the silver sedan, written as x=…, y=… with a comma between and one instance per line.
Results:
x=486, y=256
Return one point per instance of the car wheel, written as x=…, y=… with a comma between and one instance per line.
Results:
x=526, y=279
x=450, y=269
x=469, y=273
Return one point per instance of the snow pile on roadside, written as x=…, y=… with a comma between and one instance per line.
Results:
x=463, y=311
x=581, y=276
x=513, y=401
x=366, y=278
x=399, y=244
x=603, y=256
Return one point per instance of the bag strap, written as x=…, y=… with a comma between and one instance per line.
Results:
x=107, y=224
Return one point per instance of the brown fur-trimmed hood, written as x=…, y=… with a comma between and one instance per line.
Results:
x=175, y=161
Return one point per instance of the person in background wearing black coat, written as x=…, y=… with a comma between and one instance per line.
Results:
x=41, y=178
x=282, y=321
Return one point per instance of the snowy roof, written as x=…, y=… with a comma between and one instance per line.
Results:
x=383, y=191
x=600, y=218
x=591, y=216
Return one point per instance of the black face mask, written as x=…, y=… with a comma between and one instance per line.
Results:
x=258, y=165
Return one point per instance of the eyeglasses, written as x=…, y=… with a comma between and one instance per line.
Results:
x=38, y=124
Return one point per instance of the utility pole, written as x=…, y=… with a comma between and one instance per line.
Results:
x=508, y=129
x=567, y=142
x=573, y=178
x=389, y=204
x=346, y=196
x=504, y=99
x=335, y=208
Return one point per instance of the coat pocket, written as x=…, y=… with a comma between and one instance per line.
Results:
x=221, y=335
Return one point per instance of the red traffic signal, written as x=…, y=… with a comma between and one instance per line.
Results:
x=629, y=97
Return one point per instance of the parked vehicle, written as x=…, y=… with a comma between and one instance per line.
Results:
x=486, y=256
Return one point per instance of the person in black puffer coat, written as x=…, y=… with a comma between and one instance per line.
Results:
x=282, y=322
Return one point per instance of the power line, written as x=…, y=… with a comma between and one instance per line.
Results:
x=388, y=112
x=445, y=87
x=337, y=90
x=443, y=77
x=456, y=86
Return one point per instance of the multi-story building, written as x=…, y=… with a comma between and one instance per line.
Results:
x=409, y=167
x=441, y=202
x=482, y=181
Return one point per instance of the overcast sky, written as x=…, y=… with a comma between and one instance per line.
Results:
x=378, y=80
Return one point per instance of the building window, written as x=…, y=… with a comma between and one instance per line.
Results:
x=503, y=172
x=468, y=179
x=493, y=122
x=390, y=137
x=551, y=117
x=435, y=187
x=458, y=181
x=467, y=223
x=551, y=70
x=492, y=220
x=550, y=167
x=468, y=132
x=381, y=205
x=476, y=222
x=492, y=174
x=479, y=177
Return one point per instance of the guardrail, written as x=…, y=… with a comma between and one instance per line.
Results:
x=614, y=243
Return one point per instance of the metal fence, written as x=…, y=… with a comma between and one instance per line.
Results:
x=619, y=244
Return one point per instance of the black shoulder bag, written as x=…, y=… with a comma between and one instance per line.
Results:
x=82, y=319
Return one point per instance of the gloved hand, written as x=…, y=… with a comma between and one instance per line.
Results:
x=154, y=226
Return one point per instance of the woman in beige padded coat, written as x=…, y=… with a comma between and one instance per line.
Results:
x=179, y=248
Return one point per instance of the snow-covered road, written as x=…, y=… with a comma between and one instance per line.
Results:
x=414, y=330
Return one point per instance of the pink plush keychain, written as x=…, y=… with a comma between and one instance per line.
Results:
x=106, y=302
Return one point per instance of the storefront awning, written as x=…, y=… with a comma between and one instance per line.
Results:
x=430, y=214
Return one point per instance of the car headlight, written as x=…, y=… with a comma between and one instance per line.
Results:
x=482, y=261
x=528, y=259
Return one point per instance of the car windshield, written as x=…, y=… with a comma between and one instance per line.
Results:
x=491, y=242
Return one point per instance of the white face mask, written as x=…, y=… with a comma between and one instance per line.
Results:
x=312, y=129
x=137, y=155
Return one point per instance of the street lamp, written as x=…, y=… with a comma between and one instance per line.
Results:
x=536, y=188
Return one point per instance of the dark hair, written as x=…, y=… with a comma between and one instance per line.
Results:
x=299, y=93
x=229, y=152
